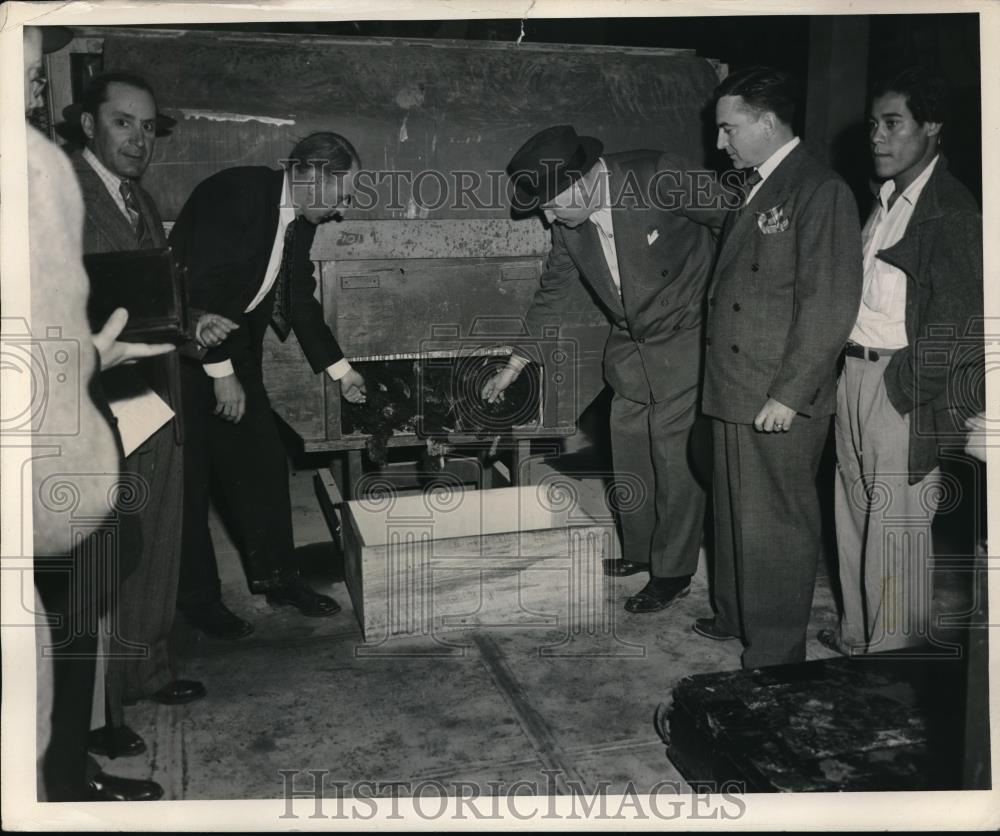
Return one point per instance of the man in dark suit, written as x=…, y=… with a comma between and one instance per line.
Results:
x=118, y=118
x=912, y=370
x=245, y=235
x=648, y=262
x=782, y=300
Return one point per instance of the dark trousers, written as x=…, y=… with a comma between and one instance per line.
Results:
x=74, y=590
x=660, y=503
x=246, y=465
x=140, y=659
x=767, y=535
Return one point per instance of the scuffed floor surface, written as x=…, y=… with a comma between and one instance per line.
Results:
x=484, y=709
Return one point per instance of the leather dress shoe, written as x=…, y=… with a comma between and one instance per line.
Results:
x=104, y=787
x=217, y=620
x=295, y=592
x=178, y=692
x=115, y=742
x=658, y=594
x=829, y=640
x=710, y=629
x=623, y=568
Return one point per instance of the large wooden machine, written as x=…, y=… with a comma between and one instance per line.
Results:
x=432, y=264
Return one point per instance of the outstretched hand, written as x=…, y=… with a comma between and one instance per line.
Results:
x=495, y=386
x=114, y=353
x=352, y=387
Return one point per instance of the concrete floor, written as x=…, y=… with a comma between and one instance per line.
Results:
x=303, y=694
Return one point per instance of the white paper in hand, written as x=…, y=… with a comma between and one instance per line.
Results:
x=139, y=417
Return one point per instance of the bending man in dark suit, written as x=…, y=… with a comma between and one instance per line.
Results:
x=649, y=263
x=118, y=118
x=245, y=235
x=783, y=298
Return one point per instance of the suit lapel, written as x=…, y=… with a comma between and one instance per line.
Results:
x=102, y=209
x=151, y=217
x=773, y=191
x=628, y=234
x=584, y=246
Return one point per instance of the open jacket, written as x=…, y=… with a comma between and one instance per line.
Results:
x=938, y=379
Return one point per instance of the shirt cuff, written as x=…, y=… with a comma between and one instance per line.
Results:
x=338, y=369
x=221, y=369
x=517, y=362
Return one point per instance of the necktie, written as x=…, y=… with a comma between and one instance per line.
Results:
x=752, y=179
x=134, y=212
x=281, y=314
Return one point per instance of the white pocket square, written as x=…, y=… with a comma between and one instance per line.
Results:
x=652, y=236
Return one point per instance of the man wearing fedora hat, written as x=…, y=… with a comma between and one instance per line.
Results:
x=631, y=227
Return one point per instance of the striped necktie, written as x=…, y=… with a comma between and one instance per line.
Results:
x=281, y=314
x=134, y=212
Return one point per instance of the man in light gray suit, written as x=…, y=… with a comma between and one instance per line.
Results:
x=782, y=301
x=119, y=121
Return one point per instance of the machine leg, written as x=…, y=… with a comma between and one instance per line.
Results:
x=519, y=459
x=353, y=469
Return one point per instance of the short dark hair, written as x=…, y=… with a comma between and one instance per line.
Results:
x=332, y=152
x=925, y=91
x=96, y=93
x=763, y=89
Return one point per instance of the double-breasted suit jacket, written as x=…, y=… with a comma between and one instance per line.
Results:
x=784, y=295
x=783, y=299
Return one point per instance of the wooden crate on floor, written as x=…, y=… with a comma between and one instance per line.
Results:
x=424, y=565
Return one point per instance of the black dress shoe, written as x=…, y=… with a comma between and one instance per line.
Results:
x=178, y=692
x=104, y=787
x=217, y=620
x=623, y=568
x=115, y=742
x=710, y=629
x=295, y=592
x=658, y=594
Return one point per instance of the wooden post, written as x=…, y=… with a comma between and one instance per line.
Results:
x=835, y=120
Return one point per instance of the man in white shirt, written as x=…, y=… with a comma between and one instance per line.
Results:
x=901, y=388
x=245, y=235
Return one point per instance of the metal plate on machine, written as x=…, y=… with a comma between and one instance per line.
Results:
x=359, y=282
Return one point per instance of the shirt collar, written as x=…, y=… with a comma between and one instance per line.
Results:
x=102, y=170
x=766, y=168
x=911, y=194
x=286, y=212
x=602, y=214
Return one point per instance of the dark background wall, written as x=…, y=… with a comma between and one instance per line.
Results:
x=835, y=56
